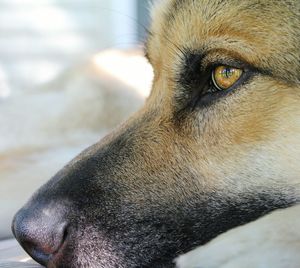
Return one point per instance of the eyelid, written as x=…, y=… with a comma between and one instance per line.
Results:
x=221, y=56
x=231, y=63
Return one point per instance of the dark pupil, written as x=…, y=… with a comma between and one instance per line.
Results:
x=227, y=72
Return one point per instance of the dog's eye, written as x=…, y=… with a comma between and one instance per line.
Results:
x=225, y=77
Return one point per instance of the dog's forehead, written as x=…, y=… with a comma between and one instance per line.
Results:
x=264, y=32
x=278, y=13
x=209, y=7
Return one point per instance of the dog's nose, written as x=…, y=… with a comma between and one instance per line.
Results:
x=41, y=233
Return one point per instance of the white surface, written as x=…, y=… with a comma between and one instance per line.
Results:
x=12, y=255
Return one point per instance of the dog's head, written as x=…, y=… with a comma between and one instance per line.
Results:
x=215, y=146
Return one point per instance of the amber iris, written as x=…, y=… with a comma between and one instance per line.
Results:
x=225, y=77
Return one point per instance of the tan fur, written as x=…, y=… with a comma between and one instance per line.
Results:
x=252, y=120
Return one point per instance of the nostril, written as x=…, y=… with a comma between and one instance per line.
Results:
x=65, y=234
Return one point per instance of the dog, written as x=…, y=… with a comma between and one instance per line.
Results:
x=215, y=146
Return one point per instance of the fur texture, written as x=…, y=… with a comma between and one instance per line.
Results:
x=192, y=163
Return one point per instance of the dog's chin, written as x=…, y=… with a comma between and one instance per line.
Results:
x=84, y=255
x=68, y=259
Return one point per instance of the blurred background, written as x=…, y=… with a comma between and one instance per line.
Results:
x=70, y=71
x=39, y=38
